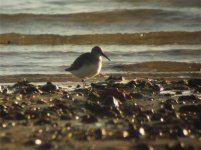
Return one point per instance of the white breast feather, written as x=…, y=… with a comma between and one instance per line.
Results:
x=88, y=71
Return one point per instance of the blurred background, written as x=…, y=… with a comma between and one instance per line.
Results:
x=102, y=18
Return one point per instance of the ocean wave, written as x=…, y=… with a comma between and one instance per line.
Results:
x=116, y=21
x=156, y=38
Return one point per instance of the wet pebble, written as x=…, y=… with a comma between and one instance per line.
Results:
x=24, y=87
x=20, y=116
x=198, y=89
x=143, y=146
x=181, y=87
x=99, y=109
x=114, y=79
x=178, y=92
x=114, y=92
x=89, y=119
x=189, y=98
x=194, y=83
x=130, y=108
x=48, y=87
x=171, y=101
x=22, y=83
x=197, y=122
x=191, y=108
x=66, y=116
x=177, y=146
x=168, y=106
x=136, y=95
x=98, y=86
x=4, y=112
x=131, y=84
x=168, y=95
x=111, y=101
x=42, y=121
x=135, y=132
x=44, y=146
x=100, y=133
x=142, y=117
x=94, y=95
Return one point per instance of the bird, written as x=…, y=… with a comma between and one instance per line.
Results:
x=88, y=65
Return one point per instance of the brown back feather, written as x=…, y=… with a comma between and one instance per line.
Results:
x=84, y=59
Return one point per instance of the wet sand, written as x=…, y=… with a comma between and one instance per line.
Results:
x=156, y=38
x=154, y=70
x=161, y=66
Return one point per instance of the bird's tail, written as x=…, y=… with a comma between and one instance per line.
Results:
x=67, y=69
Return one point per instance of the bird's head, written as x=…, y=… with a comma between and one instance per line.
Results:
x=98, y=51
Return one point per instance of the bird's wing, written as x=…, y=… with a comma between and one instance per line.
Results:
x=83, y=59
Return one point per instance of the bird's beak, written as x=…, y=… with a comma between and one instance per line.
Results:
x=106, y=56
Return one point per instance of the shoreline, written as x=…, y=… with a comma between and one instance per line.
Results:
x=71, y=78
x=154, y=69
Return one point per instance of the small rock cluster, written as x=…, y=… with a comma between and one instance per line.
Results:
x=142, y=111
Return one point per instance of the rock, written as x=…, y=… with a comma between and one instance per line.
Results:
x=157, y=88
x=198, y=90
x=130, y=108
x=99, y=109
x=42, y=121
x=177, y=146
x=29, y=90
x=22, y=83
x=114, y=79
x=45, y=146
x=191, y=108
x=100, y=133
x=94, y=95
x=143, y=146
x=168, y=106
x=98, y=86
x=189, y=98
x=142, y=117
x=178, y=92
x=114, y=92
x=133, y=132
x=20, y=116
x=181, y=87
x=136, y=95
x=89, y=119
x=194, y=83
x=4, y=112
x=131, y=84
x=111, y=101
x=197, y=122
x=49, y=87
x=24, y=87
x=171, y=101
x=168, y=95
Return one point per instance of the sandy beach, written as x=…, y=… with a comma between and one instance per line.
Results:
x=148, y=97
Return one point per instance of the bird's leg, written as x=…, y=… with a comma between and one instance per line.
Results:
x=83, y=82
